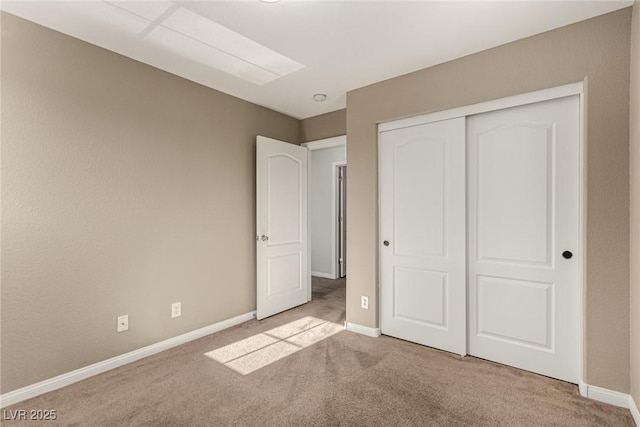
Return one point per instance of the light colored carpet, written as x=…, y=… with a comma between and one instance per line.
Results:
x=345, y=379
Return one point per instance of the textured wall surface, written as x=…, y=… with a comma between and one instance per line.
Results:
x=634, y=141
x=323, y=126
x=595, y=51
x=124, y=189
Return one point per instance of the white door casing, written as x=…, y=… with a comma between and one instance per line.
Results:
x=341, y=220
x=282, y=250
x=422, y=218
x=523, y=189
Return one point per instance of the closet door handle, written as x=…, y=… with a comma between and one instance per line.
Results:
x=386, y=243
x=567, y=254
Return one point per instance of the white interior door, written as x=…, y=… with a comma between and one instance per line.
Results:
x=283, y=276
x=523, y=227
x=422, y=234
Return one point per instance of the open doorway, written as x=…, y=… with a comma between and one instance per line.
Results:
x=300, y=225
x=327, y=216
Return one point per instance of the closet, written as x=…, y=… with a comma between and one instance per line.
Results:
x=480, y=233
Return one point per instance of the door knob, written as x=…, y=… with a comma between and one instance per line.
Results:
x=386, y=243
x=264, y=238
x=567, y=254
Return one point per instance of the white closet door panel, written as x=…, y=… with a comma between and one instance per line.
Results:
x=422, y=218
x=523, y=214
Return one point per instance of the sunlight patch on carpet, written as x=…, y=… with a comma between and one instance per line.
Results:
x=250, y=354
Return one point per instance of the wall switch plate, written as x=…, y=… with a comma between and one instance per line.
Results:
x=176, y=309
x=123, y=323
x=364, y=302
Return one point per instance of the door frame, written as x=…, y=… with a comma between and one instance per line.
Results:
x=319, y=144
x=335, y=208
x=571, y=89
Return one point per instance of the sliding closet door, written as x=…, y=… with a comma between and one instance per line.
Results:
x=524, y=237
x=422, y=234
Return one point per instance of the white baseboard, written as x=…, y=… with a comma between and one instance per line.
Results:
x=583, y=388
x=63, y=380
x=634, y=411
x=363, y=330
x=600, y=394
x=323, y=275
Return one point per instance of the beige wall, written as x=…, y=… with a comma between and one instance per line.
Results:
x=634, y=120
x=596, y=51
x=124, y=189
x=323, y=126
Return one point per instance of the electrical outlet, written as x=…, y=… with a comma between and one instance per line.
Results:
x=123, y=323
x=176, y=309
x=364, y=302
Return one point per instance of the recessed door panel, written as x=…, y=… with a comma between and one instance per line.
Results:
x=517, y=311
x=284, y=274
x=419, y=197
x=515, y=192
x=420, y=296
x=422, y=234
x=284, y=197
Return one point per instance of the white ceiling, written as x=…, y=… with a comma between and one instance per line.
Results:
x=280, y=54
